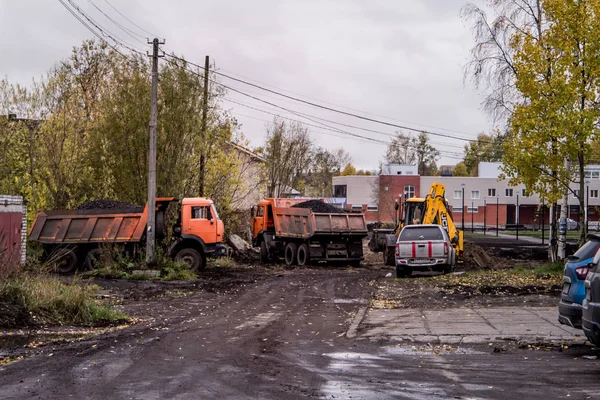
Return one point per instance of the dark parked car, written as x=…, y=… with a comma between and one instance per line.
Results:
x=591, y=304
x=573, y=293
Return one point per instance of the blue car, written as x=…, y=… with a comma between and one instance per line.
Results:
x=576, y=269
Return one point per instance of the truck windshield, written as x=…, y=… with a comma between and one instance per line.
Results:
x=421, y=233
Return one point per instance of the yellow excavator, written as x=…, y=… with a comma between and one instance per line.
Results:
x=433, y=209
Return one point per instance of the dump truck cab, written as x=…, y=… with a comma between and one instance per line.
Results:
x=198, y=233
x=199, y=218
x=262, y=216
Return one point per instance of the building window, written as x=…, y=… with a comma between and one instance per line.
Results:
x=472, y=209
x=371, y=208
x=508, y=193
x=491, y=192
x=457, y=209
x=595, y=174
x=588, y=174
x=457, y=194
x=340, y=190
x=409, y=191
x=356, y=207
x=474, y=194
x=594, y=193
x=523, y=193
x=576, y=192
x=399, y=173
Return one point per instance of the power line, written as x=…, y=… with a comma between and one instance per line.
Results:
x=445, y=153
x=448, y=155
x=102, y=30
x=130, y=21
x=350, y=126
x=91, y=29
x=326, y=107
x=129, y=32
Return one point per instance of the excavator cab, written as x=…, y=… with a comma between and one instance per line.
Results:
x=414, y=211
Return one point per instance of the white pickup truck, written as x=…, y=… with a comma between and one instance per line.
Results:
x=424, y=248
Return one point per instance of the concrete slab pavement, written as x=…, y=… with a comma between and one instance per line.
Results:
x=467, y=325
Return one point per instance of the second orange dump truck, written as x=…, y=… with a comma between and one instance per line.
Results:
x=302, y=236
x=76, y=236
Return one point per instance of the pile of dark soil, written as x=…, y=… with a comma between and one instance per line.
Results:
x=14, y=316
x=319, y=207
x=475, y=257
x=106, y=205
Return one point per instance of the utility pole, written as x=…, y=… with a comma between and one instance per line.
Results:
x=151, y=228
x=203, y=154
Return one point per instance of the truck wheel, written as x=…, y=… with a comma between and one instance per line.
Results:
x=290, y=254
x=65, y=260
x=92, y=260
x=303, y=257
x=389, y=256
x=264, y=253
x=193, y=258
x=401, y=272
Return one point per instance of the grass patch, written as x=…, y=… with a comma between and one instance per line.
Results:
x=177, y=272
x=50, y=301
x=112, y=264
x=544, y=275
x=222, y=262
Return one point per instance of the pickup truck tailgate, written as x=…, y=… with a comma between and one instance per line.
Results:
x=422, y=249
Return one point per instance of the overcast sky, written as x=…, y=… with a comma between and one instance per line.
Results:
x=399, y=61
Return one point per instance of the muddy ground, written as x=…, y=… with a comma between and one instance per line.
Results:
x=272, y=332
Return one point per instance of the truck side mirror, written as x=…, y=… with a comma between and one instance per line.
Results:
x=252, y=212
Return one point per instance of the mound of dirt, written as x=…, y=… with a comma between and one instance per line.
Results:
x=475, y=257
x=106, y=205
x=14, y=316
x=319, y=207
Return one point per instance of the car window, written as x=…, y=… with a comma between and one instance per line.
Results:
x=421, y=233
x=587, y=250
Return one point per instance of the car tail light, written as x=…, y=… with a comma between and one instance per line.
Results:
x=582, y=272
x=397, y=250
x=445, y=248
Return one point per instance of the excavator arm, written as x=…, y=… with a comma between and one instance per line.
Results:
x=438, y=213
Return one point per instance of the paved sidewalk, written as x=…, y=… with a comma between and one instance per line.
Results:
x=467, y=325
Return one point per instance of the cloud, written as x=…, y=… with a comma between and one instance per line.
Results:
x=398, y=59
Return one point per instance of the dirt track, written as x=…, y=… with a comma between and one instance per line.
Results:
x=273, y=333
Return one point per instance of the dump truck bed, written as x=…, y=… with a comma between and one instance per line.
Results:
x=92, y=226
x=303, y=223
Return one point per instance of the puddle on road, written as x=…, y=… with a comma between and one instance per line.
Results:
x=350, y=301
x=431, y=349
x=11, y=342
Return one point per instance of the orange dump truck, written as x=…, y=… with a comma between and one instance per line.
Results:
x=302, y=236
x=76, y=236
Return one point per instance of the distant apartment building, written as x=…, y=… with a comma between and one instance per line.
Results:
x=484, y=199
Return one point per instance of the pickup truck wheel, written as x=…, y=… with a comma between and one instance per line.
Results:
x=193, y=258
x=389, y=256
x=401, y=272
x=303, y=256
x=290, y=254
x=264, y=253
